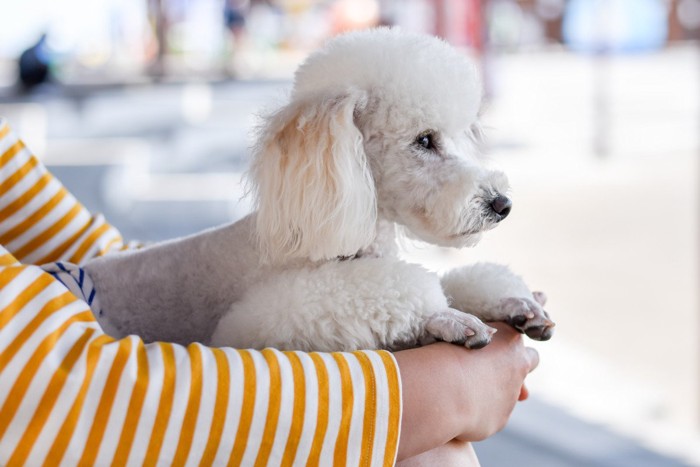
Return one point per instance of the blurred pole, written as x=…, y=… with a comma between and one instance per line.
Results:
x=156, y=12
x=601, y=85
x=484, y=49
x=601, y=104
x=440, y=20
x=463, y=23
x=697, y=228
x=675, y=28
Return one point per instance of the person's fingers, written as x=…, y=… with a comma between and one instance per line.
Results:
x=524, y=393
x=533, y=357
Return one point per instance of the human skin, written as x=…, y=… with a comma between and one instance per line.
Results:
x=452, y=395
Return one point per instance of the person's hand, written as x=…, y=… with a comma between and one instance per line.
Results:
x=450, y=392
x=493, y=381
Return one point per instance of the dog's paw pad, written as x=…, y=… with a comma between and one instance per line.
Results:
x=459, y=328
x=528, y=316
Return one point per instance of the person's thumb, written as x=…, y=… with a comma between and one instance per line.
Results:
x=533, y=357
x=524, y=393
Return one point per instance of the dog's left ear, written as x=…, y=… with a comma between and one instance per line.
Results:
x=314, y=190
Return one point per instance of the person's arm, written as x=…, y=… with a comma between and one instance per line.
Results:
x=69, y=393
x=41, y=221
x=450, y=392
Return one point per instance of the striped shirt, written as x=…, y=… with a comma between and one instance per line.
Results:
x=70, y=394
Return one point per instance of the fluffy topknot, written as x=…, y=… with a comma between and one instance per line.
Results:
x=385, y=61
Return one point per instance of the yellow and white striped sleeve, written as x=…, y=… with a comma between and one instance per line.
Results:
x=71, y=394
x=40, y=221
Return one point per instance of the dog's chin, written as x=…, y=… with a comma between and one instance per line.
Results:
x=466, y=233
x=465, y=240
x=471, y=235
x=460, y=240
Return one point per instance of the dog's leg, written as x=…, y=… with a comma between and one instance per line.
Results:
x=493, y=293
x=348, y=305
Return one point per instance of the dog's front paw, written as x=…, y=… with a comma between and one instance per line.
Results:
x=528, y=316
x=459, y=328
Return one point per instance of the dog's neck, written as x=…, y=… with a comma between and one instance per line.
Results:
x=384, y=243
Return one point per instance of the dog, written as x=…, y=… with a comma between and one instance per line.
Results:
x=379, y=139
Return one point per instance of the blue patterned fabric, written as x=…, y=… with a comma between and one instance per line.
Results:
x=76, y=281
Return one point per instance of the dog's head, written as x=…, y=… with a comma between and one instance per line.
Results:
x=380, y=124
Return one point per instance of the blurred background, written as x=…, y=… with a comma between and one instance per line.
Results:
x=144, y=109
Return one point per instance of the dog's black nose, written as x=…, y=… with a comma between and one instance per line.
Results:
x=501, y=205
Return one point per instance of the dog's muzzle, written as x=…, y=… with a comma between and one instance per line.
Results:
x=501, y=206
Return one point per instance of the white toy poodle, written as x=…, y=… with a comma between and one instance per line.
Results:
x=379, y=136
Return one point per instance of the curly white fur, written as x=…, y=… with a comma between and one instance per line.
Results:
x=379, y=133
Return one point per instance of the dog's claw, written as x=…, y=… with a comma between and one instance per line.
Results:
x=479, y=344
x=528, y=316
x=459, y=328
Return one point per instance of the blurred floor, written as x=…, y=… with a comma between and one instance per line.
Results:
x=543, y=435
x=612, y=238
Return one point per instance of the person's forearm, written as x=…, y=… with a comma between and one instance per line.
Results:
x=430, y=415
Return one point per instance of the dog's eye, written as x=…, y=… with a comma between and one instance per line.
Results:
x=425, y=140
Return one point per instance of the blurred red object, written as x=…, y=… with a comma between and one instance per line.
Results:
x=460, y=22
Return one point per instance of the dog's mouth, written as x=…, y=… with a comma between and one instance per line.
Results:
x=485, y=217
x=471, y=233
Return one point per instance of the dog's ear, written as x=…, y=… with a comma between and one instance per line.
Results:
x=313, y=188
